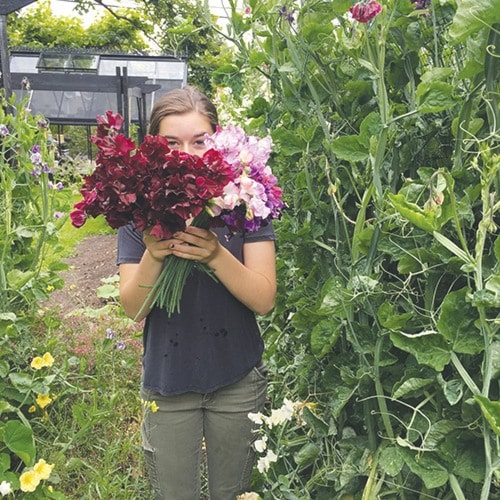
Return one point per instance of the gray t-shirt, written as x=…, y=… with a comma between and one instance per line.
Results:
x=213, y=342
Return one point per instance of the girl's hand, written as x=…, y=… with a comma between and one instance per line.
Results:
x=158, y=249
x=197, y=244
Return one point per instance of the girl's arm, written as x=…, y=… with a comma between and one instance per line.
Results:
x=136, y=280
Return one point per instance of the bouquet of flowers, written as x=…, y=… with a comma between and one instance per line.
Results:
x=161, y=189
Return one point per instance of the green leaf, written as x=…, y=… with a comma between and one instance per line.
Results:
x=19, y=439
x=430, y=470
x=5, y=406
x=471, y=16
x=350, y=148
x=21, y=381
x=370, y=126
x=4, y=462
x=318, y=426
x=391, y=460
x=435, y=97
x=324, y=336
x=335, y=299
x=17, y=279
x=4, y=368
x=411, y=385
x=389, y=319
x=491, y=412
x=452, y=247
x=307, y=455
x=425, y=220
x=8, y=316
x=429, y=349
x=457, y=323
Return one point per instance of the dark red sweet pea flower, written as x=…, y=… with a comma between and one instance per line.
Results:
x=77, y=217
x=365, y=11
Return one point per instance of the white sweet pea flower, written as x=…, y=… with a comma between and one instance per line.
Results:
x=251, y=495
x=288, y=408
x=256, y=418
x=5, y=488
x=261, y=444
x=264, y=463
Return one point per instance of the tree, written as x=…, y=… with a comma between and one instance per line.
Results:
x=40, y=27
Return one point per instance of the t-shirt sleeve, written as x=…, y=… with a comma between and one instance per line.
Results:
x=265, y=233
x=131, y=247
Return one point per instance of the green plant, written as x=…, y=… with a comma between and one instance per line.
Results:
x=32, y=205
x=386, y=137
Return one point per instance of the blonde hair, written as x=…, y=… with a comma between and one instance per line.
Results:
x=180, y=101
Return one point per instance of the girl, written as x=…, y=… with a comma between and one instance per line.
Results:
x=202, y=367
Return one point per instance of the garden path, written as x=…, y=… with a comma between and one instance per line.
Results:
x=93, y=259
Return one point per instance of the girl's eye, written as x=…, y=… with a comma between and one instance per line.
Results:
x=173, y=144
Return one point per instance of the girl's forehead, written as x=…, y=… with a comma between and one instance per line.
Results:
x=192, y=122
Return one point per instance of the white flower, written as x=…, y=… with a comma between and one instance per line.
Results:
x=288, y=408
x=256, y=418
x=5, y=488
x=264, y=463
x=261, y=444
x=248, y=496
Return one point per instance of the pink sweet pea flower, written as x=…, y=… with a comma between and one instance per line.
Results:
x=365, y=11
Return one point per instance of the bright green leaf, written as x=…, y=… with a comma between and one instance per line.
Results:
x=425, y=220
x=350, y=148
x=17, y=279
x=19, y=439
x=471, y=16
x=491, y=412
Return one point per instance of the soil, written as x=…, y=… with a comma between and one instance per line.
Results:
x=93, y=260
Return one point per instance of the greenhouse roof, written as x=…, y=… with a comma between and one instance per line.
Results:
x=74, y=86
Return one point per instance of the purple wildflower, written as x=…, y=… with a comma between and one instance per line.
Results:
x=110, y=333
x=286, y=14
x=120, y=346
x=4, y=130
x=36, y=172
x=58, y=215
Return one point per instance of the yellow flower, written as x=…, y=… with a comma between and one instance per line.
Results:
x=37, y=363
x=154, y=407
x=43, y=469
x=48, y=359
x=41, y=362
x=32, y=409
x=50, y=288
x=29, y=480
x=43, y=400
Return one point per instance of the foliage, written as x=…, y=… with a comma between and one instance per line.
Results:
x=386, y=135
x=39, y=27
x=31, y=203
x=31, y=200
